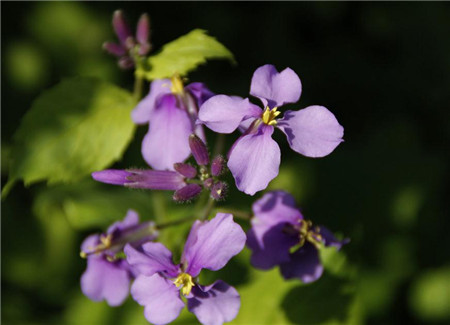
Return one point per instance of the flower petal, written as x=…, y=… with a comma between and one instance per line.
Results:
x=275, y=88
x=200, y=92
x=212, y=244
x=166, y=143
x=223, y=114
x=304, y=264
x=267, y=238
x=131, y=219
x=214, y=304
x=154, y=257
x=160, y=297
x=254, y=160
x=142, y=112
x=111, y=176
x=105, y=280
x=312, y=131
x=330, y=239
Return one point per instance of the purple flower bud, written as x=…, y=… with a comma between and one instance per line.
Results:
x=199, y=150
x=218, y=166
x=144, y=49
x=155, y=179
x=112, y=176
x=186, y=170
x=143, y=29
x=120, y=26
x=125, y=62
x=186, y=193
x=147, y=179
x=130, y=42
x=218, y=191
x=208, y=182
x=114, y=49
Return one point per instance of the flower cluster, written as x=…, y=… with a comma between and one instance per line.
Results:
x=279, y=235
x=129, y=47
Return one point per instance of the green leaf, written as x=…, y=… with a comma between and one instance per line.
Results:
x=184, y=55
x=79, y=126
x=88, y=204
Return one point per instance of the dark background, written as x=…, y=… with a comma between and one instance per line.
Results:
x=382, y=68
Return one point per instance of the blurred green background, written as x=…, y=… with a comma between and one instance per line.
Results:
x=382, y=68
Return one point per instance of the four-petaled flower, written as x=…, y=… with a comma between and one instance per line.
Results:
x=171, y=111
x=107, y=276
x=254, y=159
x=281, y=236
x=210, y=245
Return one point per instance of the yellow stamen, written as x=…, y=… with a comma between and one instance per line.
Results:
x=177, y=84
x=184, y=280
x=307, y=233
x=269, y=116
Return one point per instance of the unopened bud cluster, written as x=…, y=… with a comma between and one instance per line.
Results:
x=129, y=47
x=206, y=177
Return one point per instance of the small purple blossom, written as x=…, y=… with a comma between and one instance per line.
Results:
x=254, y=159
x=128, y=46
x=281, y=236
x=171, y=111
x=210, y=245
x=107, y=276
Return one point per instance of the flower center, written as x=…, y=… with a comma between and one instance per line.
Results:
x=177, y=85
x=105, y=243
x=310, y=234
x=185, y=281
x=269, y=116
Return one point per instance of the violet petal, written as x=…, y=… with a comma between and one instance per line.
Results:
x=275, y=88
x=187, y=193
x=120, y=26
x=223, y=114
x=155, y=179
x=111, y=176
x=142, y=112
x=212, y=244
x=166, y=143
x=143, y=29
x=214, y=304
x=254, y=160
x=312, y=131
x=105, y=280
x=153, y=258
x=159, y=296
x=304, y=264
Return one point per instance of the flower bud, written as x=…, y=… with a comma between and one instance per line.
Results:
x=143, y=29
x=217, y=166
x=208, y=182
x=186, y=170
x=218, y=191
x=114, y=49
x=186, y=193
x=199, y=150
x=120, y=26
x=125, y=62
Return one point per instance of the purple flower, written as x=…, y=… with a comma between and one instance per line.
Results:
x=107, y=276
x=210, y=245
x=171, y=111
x=129, y=46
x=254, y=159
x=281, y=236
x=185, y=180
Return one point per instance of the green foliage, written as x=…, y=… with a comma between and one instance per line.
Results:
x=88, y=205
x=79, y=126
x=430, y=295
x=184, y=55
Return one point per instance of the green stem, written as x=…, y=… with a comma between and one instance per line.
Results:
x=235, y=212
x=207, y=210
x=174, y=222
x=218, y=146
x=138, y=87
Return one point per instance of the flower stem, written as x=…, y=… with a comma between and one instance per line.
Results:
x=235, y=212
x=174, y=222
x=138, y=87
